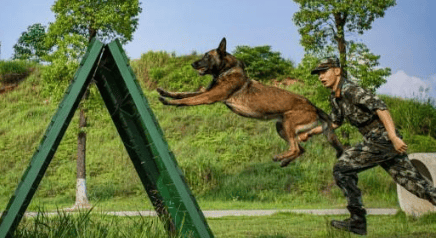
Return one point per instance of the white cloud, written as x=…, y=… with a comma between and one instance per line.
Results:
x=432, y=81
x=402, y=85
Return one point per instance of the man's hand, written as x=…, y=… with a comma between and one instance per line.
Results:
x=387, y=121
x=399, y=145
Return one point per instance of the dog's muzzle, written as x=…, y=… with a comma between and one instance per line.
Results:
x=201, y=70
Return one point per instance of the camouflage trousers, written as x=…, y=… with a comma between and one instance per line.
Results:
x=378, y=150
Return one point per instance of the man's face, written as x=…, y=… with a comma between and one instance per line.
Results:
x=328, y=77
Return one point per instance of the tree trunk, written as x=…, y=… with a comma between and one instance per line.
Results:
x=81, y=192
x=340, y=20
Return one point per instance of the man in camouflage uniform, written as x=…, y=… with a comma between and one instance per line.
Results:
x=382, y=144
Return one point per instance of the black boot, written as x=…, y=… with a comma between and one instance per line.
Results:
x=356, y=223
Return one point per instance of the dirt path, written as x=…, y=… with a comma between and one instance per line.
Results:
x=224, y=213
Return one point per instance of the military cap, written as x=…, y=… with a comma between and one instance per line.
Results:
x=326, y=63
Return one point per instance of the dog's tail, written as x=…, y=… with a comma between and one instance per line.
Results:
x=328, y=131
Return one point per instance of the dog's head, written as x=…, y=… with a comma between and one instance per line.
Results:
x=216, y=61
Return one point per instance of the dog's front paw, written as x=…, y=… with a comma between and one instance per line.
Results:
x=161, y=91
x=276, y=159
x=164, y=101
x=285, y=162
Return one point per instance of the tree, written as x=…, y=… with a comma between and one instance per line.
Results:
x=326, y=22
x=30, y=45
x=106, y=19
x=262, y=63
x=362, y=66
x=77, y=23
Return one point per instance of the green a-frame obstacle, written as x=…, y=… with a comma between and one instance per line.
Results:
x=140, y=132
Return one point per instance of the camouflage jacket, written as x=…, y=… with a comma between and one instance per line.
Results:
x=355, y=104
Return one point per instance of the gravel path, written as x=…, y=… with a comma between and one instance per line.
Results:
x=224, y=213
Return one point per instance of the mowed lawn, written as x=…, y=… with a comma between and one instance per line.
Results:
x=302, y=225
x=278, y=225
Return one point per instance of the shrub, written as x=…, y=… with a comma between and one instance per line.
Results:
x=412, y=115
x=13, y=71
x=149, y=61
x=56, y=77
x=262, y=63
x=184, y=79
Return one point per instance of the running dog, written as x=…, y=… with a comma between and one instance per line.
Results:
x=249, y=98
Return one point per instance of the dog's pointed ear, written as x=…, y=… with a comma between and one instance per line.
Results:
x=222, y=47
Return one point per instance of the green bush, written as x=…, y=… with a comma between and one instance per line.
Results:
x=56, y=78
x=184, y=79
x=304, y=69
x=262, y=63
x=413, y=116
x=148, y=62
x=13, y=67
x=13, y=71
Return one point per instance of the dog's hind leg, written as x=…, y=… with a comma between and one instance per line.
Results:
x=295, y=150
x=287, y=131
x=281, y=132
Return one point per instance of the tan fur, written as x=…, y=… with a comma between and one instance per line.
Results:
x=252, y=99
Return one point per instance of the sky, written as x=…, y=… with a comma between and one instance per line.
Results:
x=404, y=37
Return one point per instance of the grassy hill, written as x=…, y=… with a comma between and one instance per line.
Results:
x=226, y=158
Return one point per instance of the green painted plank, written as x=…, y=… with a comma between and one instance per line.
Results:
x=31, y=178
x=126, y=119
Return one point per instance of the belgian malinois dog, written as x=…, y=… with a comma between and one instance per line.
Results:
x=249, y=98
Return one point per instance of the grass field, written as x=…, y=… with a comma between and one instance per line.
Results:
x=279, y=225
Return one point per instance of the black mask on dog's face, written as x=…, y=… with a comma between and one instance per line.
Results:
x=211, y=61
